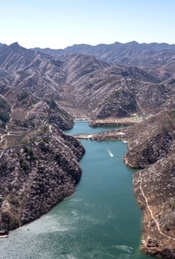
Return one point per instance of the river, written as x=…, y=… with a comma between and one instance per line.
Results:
x=101, y=220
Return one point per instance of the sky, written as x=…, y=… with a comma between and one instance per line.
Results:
x=60, y=23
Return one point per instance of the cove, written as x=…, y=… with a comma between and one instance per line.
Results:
x=101, y=220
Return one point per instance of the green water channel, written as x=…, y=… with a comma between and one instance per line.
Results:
x=101, y=220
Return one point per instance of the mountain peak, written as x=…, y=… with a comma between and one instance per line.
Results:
x=132, y=43
x=16, y=47
x=15, y=44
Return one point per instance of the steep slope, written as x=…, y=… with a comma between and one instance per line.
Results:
x=154, y=190
x=156, y=58
x=84, y=85
x=4, y=112
x=38, y=163
x=151, y=147
x=39, y=72
x=37, y=175
x=104, y=91
x=28, y=112
x=150, y=140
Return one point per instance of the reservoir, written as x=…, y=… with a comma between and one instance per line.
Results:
x=101, y=220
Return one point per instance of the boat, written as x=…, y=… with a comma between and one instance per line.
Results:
x=4, y=233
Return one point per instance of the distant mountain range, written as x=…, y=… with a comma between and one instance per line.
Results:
x=130, y=53
x=119, y=80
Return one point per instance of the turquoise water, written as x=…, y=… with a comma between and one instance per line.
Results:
x=83, y=127
x=101, y=220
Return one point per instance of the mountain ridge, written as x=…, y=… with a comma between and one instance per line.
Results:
x=116, y=52
x=113, y=83
x=81, y=82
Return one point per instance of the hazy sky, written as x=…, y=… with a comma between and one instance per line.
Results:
x=60, y=23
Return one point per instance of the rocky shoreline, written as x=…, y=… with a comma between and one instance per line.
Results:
x=151, y=147
x=37, y=175
x=112, y=122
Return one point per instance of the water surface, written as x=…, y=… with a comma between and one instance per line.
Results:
x=101, y=220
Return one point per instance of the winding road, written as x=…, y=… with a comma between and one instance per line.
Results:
x=151, y=212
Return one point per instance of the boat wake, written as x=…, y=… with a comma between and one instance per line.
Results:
x=123, y=248
x=110, y=153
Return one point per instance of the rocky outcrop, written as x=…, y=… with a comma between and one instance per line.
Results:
x=150, y=140
x=29, y=113
x=152, y=146
x=112, y=122
x=37, y=175
x=154, y=188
